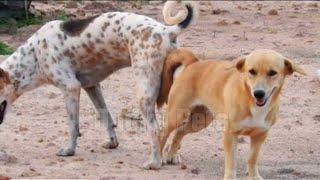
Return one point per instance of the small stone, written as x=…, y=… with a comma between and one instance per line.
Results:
x=222, y=23
x=77, y=159
x=195, y=171
x=273, y=12
x=236, y=22
x=285, y=170
x=61, y=160
x=183, y=166
x=132, y=132
x=296, y=173
x=22, y=128
x=316, y=118
x=216, y=11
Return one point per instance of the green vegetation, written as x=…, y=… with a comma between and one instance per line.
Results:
x=19, y=19
x=62, y=15
x=5, y=49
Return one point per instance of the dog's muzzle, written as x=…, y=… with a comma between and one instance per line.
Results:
x=261, y=98
x=3, y=107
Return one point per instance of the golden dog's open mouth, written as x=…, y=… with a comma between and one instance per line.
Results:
x=262, y=101
x=3, y=107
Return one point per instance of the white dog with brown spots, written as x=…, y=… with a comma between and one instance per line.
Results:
x=81, y=53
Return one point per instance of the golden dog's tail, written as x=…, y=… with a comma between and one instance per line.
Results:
x=174, y=63
x=183, y=18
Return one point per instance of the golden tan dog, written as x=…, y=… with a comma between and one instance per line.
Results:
x=246, y=91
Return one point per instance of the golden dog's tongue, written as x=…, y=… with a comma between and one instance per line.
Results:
x=260, y=102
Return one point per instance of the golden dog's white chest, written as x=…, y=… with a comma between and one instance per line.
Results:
x=257, y=121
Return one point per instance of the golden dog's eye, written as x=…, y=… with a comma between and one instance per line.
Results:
x=252, y=72
x=271, y=73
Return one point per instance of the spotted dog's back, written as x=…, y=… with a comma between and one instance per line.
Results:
x=97, y=46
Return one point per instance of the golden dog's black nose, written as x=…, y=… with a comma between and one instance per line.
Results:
x=259, y=94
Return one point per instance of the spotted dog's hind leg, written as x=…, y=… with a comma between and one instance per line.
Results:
x=96, y=97
x=149, y=84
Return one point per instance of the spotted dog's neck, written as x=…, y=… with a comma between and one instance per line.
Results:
x=22, y=67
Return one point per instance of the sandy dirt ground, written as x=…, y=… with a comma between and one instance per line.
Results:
x=36, y=126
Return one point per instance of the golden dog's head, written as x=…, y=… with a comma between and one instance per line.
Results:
x=265, y=71
x=6, y=93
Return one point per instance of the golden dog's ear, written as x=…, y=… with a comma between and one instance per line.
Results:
x=4, y=76
x=291, y=67
x=240, y=63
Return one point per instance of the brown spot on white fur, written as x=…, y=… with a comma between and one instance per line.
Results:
x=105, y=25
x=158, y=40
x=146, y=33
x=44, y=45
x=75, y=27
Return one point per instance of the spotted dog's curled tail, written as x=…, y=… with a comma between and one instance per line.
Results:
x=174, y=63
x=183, y=18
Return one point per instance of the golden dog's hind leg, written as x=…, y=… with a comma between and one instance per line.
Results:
x=199, y=119
x=174, y=119
x=255, y=146
x=177, y=112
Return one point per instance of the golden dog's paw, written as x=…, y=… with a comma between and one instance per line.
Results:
x=258, y=177
x=173, y=159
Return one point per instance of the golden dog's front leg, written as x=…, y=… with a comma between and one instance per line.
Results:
x=230, y=146
x=256, y=142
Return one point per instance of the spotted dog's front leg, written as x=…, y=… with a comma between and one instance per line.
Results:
x=72, y=95
x=70, y=86
x=96, y=97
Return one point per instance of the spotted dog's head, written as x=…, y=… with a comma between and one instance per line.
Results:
x=265, y=71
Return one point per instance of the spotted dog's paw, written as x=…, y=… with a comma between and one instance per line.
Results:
x=152, y=164
x=66, y=152
x=112, y=144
